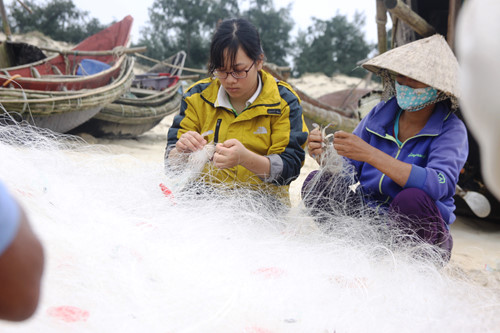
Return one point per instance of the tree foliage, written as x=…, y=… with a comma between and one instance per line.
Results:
x=327, y=46
x=274, y=26
x=332, y=46
x=58, y=19
x=189, y=24
x=184, y=25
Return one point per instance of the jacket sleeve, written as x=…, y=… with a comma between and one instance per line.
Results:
x=289, y=137
x=447, y=156
x=186, y=120
x=361, y=132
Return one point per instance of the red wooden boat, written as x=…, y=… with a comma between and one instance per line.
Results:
x=143, y=107
x=58, y=73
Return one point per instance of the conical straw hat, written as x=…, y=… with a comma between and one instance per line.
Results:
x=429, y=60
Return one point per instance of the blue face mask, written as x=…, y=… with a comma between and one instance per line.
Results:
x=415, y=99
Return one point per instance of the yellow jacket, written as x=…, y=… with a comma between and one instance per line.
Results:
x=272, y=126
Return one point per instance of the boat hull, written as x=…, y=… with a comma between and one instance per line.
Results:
x=58, y=73
x=128, y=121
x=63, y=111
x=129, y=117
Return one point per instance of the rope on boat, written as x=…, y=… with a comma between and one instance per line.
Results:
x=10, y=79
x=194, y=70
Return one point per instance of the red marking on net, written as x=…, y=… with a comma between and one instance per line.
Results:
x=68, y=313
x=144, y=224
x=166, y=191
x=351, y=283
x=270, y=272
x=25, y=193
x=255, y=329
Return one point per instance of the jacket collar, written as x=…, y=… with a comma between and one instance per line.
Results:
x=269, y=96
x=223, y=98
x=383, y=119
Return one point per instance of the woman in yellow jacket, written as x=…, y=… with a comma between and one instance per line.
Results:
x=255, y=120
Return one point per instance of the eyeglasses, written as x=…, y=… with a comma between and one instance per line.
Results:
x=236, y=74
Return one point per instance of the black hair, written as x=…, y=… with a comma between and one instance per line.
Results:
x=232, y=34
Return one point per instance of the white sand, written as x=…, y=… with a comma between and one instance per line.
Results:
x=318, y=84
x=38, y=39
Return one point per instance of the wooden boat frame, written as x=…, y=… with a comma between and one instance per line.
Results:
x=56, y=73
x=62, y=111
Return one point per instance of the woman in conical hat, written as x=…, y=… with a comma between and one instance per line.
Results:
x=408, y=151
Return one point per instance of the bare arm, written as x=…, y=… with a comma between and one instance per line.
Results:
x=353, y=147
x=21, y=267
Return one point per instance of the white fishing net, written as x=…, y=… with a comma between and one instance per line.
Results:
x=125, y=254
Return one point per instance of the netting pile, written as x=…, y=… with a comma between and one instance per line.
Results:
x=127, y=253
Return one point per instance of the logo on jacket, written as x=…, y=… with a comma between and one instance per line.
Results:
x=416, y=155
x=260, y=130
x=441, y=178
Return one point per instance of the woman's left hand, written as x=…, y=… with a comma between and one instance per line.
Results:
x=228, y=154
x=352, y=146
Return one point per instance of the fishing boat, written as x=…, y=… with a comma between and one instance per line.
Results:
x=63, y=91
x=152, y=96
x=91, y=64
x=61, y=111
x=315, y=110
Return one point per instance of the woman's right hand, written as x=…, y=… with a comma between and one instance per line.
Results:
x=314, y=143
x=189, y=142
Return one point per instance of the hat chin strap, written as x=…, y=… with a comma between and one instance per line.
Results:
x=388, y=85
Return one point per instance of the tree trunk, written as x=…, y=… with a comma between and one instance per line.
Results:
x=452, y=20
x=381, y=22
x=406, y=14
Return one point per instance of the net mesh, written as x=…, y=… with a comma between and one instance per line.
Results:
x=123, y=254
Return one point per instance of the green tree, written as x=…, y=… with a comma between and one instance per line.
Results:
x=184, y=25
x=274, y=26
x=58, y=19
x=189, y=24
x=332, y=46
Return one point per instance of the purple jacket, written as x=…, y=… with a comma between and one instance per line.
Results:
x=437, y=154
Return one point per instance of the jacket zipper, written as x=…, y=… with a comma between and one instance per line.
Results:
x=400, y=147
x=216, y=132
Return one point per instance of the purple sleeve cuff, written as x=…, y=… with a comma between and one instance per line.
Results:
x=9, y=219
x=417, y=177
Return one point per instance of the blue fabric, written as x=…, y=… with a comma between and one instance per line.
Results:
x=417, y=178
x=437, y=155
x=91, y=66
x=9, y=219
x=412, y=99
x=396, y=127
